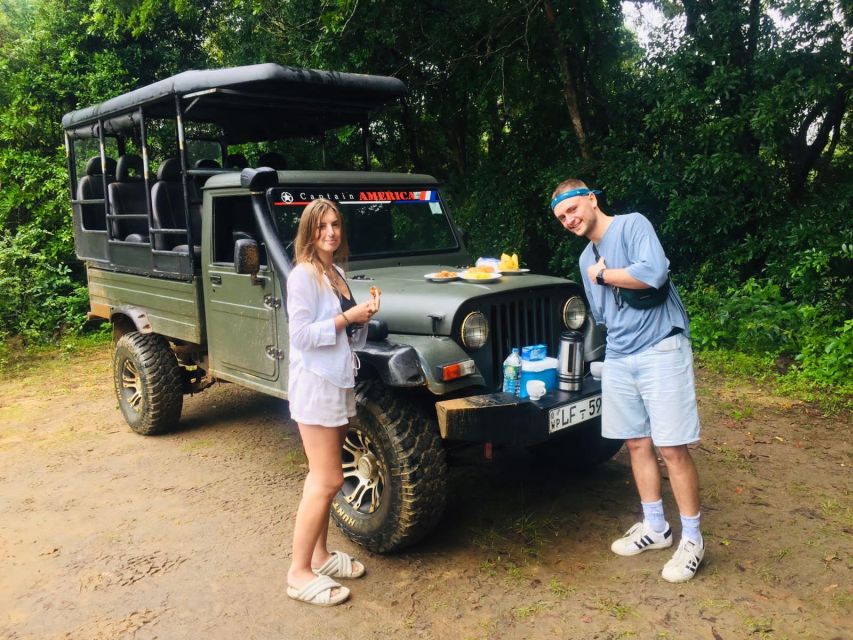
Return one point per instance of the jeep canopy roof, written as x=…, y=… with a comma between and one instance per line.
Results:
x=251, y=103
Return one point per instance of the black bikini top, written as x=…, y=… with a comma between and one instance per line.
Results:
x=346, y=304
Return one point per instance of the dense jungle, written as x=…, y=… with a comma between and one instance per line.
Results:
x=726, y=122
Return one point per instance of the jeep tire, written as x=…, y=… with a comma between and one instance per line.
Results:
x=147, y=382
x=395, y=472
x=582, y=447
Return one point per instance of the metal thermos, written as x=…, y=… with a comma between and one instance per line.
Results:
x=570, y=361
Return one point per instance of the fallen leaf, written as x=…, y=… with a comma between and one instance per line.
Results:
x=738, y=490
x=586, y=619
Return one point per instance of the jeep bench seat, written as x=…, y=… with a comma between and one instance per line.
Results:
x=167, y=209
x=91, y=187
x=127, y=198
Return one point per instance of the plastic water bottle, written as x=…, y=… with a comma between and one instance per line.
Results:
x=512, y=372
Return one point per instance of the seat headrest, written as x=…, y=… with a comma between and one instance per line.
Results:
x=272, y=160
x=129, y=168
x=170, y=170
x=206, y=163
x=237, y=160
x=93, y=166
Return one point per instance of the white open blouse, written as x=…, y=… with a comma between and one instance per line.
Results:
x=315, y=345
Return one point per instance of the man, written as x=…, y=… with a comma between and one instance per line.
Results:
x=647, y=380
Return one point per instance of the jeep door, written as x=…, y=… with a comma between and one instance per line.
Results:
x=243, y=312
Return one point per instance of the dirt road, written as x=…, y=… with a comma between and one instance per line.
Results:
x=105, y=534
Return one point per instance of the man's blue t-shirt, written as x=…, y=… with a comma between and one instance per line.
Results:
x=631, y=243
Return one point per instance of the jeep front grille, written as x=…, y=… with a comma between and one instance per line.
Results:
x=519, y=322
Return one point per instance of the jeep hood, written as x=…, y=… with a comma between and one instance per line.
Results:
x=408, y=298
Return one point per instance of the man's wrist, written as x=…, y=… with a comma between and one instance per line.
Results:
x=599, y=278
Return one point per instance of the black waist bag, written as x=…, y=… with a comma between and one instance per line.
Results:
x=640, y=298
x=645, y=298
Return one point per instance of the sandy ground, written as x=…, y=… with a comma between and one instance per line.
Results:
x=105, y=534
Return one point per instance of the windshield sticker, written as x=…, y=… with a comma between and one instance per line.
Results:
x=303, y=197
x=435, y=207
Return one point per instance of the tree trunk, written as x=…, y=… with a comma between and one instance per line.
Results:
x=569, y=91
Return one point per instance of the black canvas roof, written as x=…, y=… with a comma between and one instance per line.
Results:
x=252, y=103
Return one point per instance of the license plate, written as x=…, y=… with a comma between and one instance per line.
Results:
x=575, y=413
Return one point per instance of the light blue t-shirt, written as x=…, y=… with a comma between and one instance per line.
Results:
x=631, y=243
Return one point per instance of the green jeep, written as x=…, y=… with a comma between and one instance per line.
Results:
x=190, y=263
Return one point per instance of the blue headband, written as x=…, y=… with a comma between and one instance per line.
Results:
x=571, y=194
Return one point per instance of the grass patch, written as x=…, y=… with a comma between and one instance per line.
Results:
x=559, y=589
x=614, y=608
x=759, y=627
x=294, y=457
x=18, y=357
x=195, y=445
x=735, y=459
x=514, y=573
x=522, y=613
x=749, y=369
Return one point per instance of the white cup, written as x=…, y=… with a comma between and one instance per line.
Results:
x=595, y=369
x=535, y=389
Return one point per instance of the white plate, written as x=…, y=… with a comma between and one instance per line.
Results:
x=492, y=278
x=513, y=272
x=434, y=277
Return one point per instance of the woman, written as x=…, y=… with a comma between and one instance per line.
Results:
x=325, y=323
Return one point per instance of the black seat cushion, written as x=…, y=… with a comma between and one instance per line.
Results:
x=127, y=197
x=272, y=160
x=237, y=161
x=91, y=187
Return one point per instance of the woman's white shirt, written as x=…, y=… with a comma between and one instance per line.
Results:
x=314, y=342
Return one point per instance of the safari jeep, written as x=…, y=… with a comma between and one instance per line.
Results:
x=188, y=247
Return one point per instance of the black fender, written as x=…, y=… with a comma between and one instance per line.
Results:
x=398, y=365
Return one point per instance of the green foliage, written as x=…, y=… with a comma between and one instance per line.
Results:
x=752, y=317
x=730, y=131
x=39, y=297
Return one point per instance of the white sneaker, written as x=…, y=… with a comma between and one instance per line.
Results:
x=639, y=538
x=685, y=562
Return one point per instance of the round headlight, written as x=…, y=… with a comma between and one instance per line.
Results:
x=574, y=313
x=475, y=330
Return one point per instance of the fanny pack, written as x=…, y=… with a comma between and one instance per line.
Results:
x=638, y=298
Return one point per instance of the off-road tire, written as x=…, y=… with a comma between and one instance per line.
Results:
x=147, y=382
x=402, y=452
x=582, y=447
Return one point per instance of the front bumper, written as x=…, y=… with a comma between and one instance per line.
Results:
x=502, y=418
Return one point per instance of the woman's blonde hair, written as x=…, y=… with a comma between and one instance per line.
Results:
x=307, y=234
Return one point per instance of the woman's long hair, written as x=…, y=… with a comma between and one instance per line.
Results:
x=305, y=243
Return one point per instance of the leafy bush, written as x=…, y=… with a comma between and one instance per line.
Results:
x=752, y=317
x=827, y=360
x=39, y=296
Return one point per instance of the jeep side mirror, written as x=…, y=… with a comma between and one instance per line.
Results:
x=247, y=258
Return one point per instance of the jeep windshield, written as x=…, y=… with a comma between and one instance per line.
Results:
x=379, y=221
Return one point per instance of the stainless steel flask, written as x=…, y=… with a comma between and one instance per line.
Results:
x=570, y=361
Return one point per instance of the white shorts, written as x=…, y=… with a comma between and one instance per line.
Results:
x=651, y=394
x=316, y=401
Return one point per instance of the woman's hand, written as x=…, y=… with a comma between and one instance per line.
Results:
x=360, y=313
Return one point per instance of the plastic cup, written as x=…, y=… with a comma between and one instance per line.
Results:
x=535, y=389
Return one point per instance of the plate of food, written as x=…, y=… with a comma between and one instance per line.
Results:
x=442, y=276
x=480, y=274
x=509, y=264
